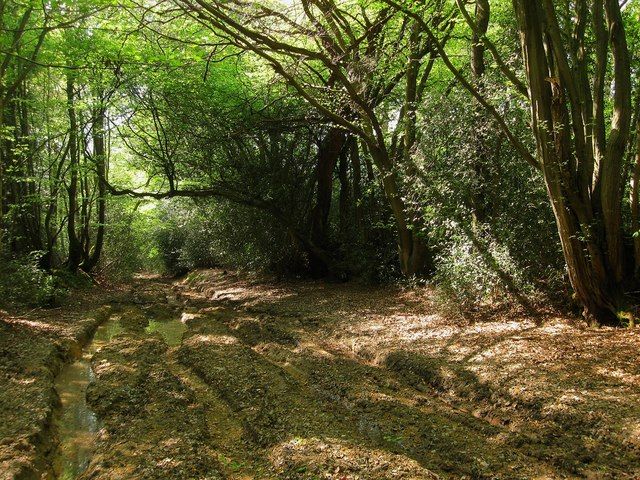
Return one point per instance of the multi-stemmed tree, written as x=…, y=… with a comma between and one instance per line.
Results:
x=363, y=67
x=577, y=67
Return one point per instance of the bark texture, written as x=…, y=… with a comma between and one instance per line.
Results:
x=583, y=168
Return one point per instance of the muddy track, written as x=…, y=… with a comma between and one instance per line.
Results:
x=248, y=394
x=222, y=377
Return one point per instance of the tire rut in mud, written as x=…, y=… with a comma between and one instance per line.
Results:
x=153, y=426
x=250, y=395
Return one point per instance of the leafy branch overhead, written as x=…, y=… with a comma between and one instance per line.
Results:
x=372, y=138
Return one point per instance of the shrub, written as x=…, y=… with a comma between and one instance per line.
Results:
x=130, y=245
x=215, y=232
x=477, y=269
x=507, y=252
x=23, y=283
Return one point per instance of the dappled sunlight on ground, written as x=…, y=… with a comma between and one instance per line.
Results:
x=214, y=339
x=263, y=378
x=564, y=393
x=336, y=459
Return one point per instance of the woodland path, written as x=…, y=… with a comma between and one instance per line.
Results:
x=225, y=375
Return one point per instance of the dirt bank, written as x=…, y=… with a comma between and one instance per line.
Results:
x=33, y=348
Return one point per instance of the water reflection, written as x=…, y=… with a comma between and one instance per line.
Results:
x=76, y=423
x=171, y=330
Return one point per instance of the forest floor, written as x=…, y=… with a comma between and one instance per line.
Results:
x=272, y=379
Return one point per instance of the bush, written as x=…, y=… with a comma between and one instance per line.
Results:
x=477, y=269
x=130, y=245
x=23, y=283
x=215, y=233
x=508, y=252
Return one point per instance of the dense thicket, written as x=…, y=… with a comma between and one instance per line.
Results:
x=490, y=146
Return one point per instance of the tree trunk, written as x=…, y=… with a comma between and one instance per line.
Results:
x=99, y=153
x=345, y=191
x=635, y=194
x=329, y=152
x=592, y=254
x=75, y=248
x=18, y=184
x=357, y=185
x=2, y=180
x=480, y=155
x=413, y=252
x=85, y=211
x=31, y=217
x=612, y=167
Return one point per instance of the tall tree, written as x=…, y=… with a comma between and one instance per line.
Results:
x=481, y=155
x=346, y=62
x=25, y=28
x=75, y=245
x=578, y=149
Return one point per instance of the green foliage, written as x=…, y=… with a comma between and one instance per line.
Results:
x=186, y=115
x=508, y=251
x=129, y=243
x=23, y=282
x=472, y=272
x=215, y=233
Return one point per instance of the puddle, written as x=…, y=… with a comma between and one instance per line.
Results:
x=77, y=424
x=171, y=330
